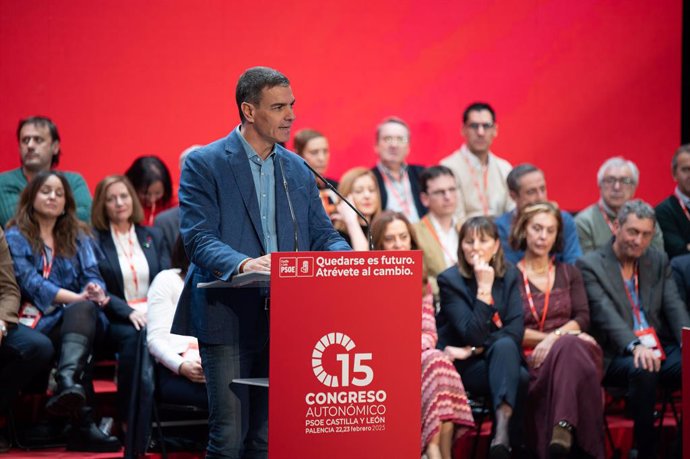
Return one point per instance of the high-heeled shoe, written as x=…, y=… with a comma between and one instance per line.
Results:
x=561, y=440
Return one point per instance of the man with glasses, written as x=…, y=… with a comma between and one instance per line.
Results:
x=398, y=181
x=437, y=232
x=617, y=179
x=480, y=175
x=527, y=186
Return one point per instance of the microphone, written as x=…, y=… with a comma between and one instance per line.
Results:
x=292, y=210
x=360, y=214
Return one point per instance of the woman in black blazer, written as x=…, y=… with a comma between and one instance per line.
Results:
x=481, y=307
x=132, y=256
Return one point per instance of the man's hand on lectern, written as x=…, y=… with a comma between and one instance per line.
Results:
x=262, y=264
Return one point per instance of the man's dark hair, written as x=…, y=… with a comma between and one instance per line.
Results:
x=253, y=81
x=674, y=161
x=431, y=173
x=42, y=121
x=477, y=107
x=513, y=179
x=394, y=120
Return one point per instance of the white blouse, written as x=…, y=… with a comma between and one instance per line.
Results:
x=134, y=267
x=166, y=347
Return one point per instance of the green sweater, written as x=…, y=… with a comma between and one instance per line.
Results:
x=13, y=182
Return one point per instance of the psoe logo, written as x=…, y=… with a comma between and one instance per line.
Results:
x=305, y=267
x=351, y=364
x=288, y=267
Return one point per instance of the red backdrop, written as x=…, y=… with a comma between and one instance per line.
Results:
x=572, y=82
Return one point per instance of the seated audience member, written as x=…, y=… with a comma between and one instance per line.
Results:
x=181, y=377
x=312, y=146
x=673, y=212
x=168, y=221
x=681, y=273
x=62, y=293
x=444, y=402
x=481, y=307
x=617, y=180
x=636, y=315
x=151, y=179
x=359, y=186
x=527, y=186
x=24, y=352
x=132, y=256
x=39, y=150
x=480, y=175
x=437, y=231
x=397, y=180
x=564, y=398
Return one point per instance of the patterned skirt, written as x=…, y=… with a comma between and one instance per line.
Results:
x=443, y=396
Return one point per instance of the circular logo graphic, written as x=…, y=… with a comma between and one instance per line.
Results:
x=316, y=355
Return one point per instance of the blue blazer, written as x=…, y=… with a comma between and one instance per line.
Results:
x=221, y=226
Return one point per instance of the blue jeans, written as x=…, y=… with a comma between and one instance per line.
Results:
x=238, y=414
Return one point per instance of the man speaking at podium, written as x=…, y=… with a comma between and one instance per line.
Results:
x=241, y=198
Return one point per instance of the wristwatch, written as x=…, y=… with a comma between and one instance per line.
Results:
x=473, y=350
x=3, y=329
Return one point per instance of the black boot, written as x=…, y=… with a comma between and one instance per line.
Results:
x=86, y=436
x=70, y=396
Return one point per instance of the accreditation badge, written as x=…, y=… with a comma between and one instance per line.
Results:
x=29, y=315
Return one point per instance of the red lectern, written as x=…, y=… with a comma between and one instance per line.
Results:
x=345, y=355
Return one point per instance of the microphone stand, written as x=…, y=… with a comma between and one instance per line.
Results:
x=360, y=214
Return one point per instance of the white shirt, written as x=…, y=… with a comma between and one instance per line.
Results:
x=165, y=347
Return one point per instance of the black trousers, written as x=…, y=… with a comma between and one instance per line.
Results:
x=641, y=392
x=500, y=374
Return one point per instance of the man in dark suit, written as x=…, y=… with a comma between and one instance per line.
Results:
x=398, y=181
x=674, y=212
x=681, y=273
x=236, y=196
x=637, y=316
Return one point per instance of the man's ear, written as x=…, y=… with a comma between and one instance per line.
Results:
x=248, y=111
x=424, y=198
x=55, y=147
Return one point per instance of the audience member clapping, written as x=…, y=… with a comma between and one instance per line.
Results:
x=57, y=271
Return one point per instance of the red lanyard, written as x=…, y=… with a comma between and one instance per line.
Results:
x=606, y=218
x=402, y=200
x=430, y=227
x=152, y=216
x=682, y=205
x=496, y=319
x=47, y=267
x=130, y=260
x=635, y=307
x=528, y=292
x=475, y=181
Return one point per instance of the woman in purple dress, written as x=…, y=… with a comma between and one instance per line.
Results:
x=565, y=398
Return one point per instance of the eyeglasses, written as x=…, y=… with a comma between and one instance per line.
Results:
x=476, y=126
x=623, y=181
x=389, y=139
x=439, y=193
